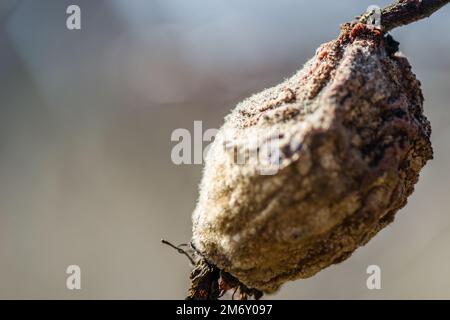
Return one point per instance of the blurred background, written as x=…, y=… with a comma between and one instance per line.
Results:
x=86, y=118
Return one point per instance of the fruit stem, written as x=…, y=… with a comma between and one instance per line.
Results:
x=404, y=12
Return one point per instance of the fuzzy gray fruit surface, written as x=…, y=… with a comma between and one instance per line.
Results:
x=352, y=141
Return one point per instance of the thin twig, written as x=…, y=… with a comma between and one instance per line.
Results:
x=181, y=251
x=404, y=12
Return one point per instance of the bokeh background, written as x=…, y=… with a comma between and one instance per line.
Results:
x=86, y=118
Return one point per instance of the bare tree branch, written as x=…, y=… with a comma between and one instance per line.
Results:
x=404, y=12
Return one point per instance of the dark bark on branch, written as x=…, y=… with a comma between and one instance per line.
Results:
x=404, y=12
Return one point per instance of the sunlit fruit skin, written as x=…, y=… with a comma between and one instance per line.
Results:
x=352, y=141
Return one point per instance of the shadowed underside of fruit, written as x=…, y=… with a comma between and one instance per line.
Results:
x=351, y=141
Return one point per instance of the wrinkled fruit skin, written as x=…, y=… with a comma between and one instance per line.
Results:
x=354, y=139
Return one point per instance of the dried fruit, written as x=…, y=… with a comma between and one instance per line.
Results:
x=352, y=141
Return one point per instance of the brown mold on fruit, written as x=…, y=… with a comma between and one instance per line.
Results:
x=353, y=139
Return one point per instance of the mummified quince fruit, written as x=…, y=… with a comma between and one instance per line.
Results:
x=352, y=141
